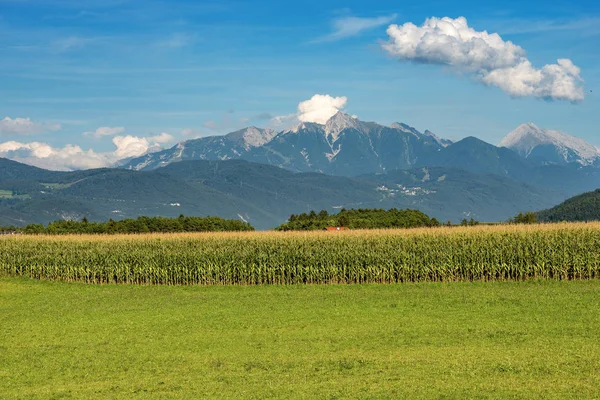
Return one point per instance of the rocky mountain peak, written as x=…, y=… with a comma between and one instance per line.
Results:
x=253, y=136
x=405, y=128
x=340, y=121
x=442, y=142
x=256, y=137
x=528, y=139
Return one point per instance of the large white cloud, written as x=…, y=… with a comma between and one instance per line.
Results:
x=24, y=126
x=73, y=157
x=491, y=60
x=320, y=108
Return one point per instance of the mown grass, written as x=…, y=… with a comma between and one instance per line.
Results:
x=559, y=252
x=530, y=340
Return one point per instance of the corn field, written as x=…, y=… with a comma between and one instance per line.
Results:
x=560, y=252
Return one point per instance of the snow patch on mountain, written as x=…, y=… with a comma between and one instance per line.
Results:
x=306, y=156
x=331, y=156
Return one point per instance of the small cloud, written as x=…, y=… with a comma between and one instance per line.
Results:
x=283, y=121
x=69, y=43
x=486, y=57
x=163, y=138
x=264, y=116
x=190, y=132
x=210, y=124
x=345, y=27
x=244, y=121
x=177, y=40
x=105, y=131
x=25, y=126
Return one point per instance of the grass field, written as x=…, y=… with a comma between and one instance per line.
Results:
x=560, y=252
x=529, y=340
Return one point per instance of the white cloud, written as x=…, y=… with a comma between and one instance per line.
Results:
x=263, y=116
x=24, y=126
x=162, y=138
x=70, y=43
x=191, y=133
x=345, y=27
x=130, y=146
x=43, y=155
x=73, y=157
x=490, y=59
x=177, y=40
x=211, y=124
x=105, y=131
x=320, y=108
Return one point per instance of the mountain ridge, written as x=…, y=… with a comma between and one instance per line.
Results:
x=347, y=146
x=344, y=145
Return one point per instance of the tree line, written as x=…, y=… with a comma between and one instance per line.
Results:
x=140, y=225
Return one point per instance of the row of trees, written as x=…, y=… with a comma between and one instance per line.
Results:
x=524, y=218
x=359, y=219
x=139, y=225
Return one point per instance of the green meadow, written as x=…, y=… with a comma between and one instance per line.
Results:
x=530, y=340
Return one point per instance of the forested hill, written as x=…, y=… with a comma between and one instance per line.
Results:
x=260, y=194
x=585, y=207
x=359, y=219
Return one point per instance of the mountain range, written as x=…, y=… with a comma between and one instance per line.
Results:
x=262, y=176
x=346, y=146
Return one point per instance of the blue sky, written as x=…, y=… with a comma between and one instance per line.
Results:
x=198, y=68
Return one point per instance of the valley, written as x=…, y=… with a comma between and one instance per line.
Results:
x=262, y=176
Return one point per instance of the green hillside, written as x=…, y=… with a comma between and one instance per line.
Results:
x=585, y=207
x=262, y=195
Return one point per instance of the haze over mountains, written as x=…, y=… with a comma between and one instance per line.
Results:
x=262, y=176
